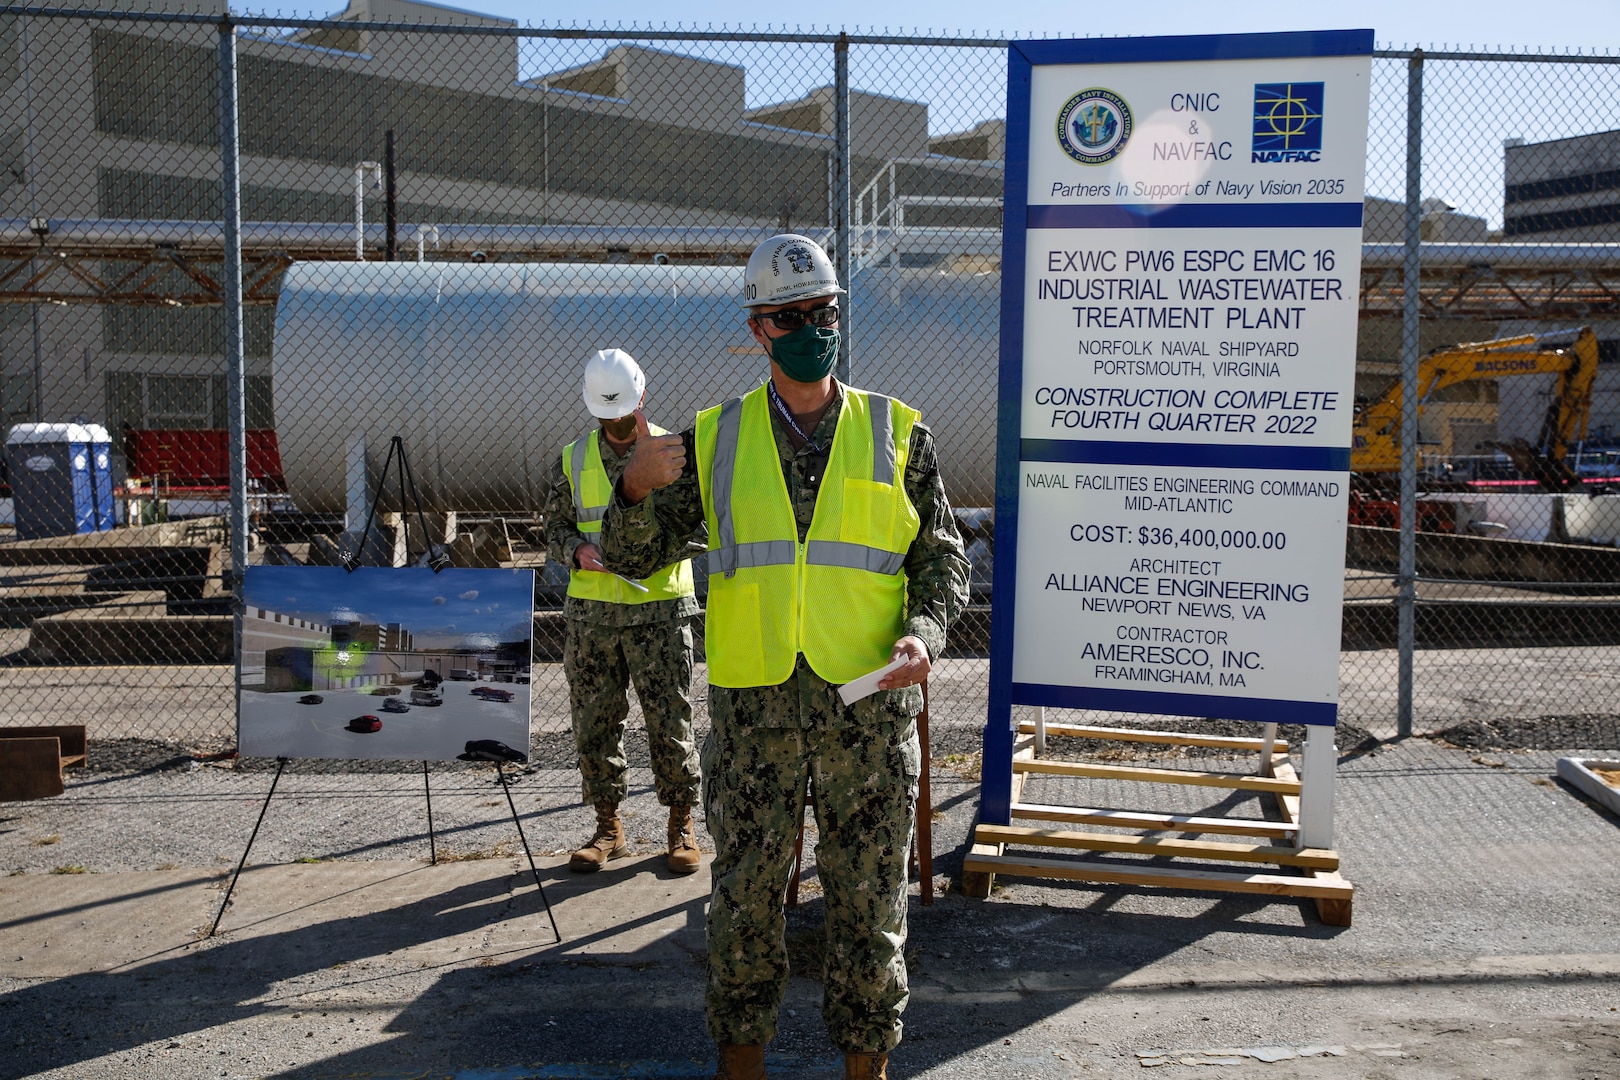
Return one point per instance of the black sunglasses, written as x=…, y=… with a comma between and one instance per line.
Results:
x=793, y=319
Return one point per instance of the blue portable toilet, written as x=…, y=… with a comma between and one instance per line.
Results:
x=101, y=478
x=61, y=479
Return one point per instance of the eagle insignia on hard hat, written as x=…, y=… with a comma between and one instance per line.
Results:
x=798, y=258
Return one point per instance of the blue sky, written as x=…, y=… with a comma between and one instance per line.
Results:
x=442, y=610
x=1398, y=23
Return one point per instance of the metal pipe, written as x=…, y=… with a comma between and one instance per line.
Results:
x=235, y=382
x=100, y=234
x=1412, y=266
x=422, y=233
x=29, y=166
x=391, y=199
x=360, y=205
x=841, y=193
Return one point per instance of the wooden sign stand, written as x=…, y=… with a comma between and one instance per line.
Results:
x=1288, y=842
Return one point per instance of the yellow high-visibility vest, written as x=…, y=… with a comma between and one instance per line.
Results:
x=839, y=597
x=588, y=480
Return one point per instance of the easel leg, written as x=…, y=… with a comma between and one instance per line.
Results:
x=500, y=775
x=281, y=763
x=427, y=789
x=792, y=900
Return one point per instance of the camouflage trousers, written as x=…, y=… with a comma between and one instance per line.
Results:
x=865, y=784
x=601, y=662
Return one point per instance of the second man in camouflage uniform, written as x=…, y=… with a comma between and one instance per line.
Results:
x=620, y=630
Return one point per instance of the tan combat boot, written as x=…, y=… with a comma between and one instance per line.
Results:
x=683, y=849
x=741, y=1062
x=608, y=843
x=866, y=1066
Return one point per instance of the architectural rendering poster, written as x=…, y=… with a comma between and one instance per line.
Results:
x=1179, y=301
x=383, y=663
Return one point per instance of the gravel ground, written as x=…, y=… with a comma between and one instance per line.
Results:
x=1585, y=731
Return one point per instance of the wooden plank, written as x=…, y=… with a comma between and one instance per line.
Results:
x=30, y=768
x=1287, y=805
x=978, y=885
x=1138, y=819
x=1236, y=781
x=71, y=736
x=1173, y=738
x=1333, y=911
x=1159, y=877
x=1309, y=858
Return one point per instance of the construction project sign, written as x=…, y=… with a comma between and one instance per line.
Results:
x=1179, y=304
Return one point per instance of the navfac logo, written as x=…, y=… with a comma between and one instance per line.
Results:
x=1094, y=125
x=1287, y=122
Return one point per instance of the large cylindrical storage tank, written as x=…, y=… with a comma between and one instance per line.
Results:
x=477, y=366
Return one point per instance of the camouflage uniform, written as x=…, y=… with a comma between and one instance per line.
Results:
x=606, y=647
x=862, y=762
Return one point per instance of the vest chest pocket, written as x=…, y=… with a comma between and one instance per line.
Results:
x=870, y=510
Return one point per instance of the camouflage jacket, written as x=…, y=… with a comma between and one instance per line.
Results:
x=563, y=539
x=636, y=540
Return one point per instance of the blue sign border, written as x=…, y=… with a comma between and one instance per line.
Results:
x=995, y=795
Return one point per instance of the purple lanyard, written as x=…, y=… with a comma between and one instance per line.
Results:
x=782, y=410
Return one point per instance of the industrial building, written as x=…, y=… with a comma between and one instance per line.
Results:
x=117, y=121
x=114, y=123
x=1564, y=189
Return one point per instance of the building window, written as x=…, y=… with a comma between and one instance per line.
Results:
x=179, y=401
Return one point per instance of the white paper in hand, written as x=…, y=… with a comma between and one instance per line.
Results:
x=867, y=684
x=636, y=585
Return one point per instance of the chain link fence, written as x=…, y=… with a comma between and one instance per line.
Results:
x=440, y=223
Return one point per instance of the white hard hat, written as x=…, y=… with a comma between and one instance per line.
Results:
x=786, y=268
x=613, y=384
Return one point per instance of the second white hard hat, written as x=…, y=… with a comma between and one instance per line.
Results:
x=613, y=384
x=786, y=268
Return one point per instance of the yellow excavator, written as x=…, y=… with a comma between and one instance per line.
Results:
x=1572, y=355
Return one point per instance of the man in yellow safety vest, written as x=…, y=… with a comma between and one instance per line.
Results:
x=620, y=629
x=832, y=553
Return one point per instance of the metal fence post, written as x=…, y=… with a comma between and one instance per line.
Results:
x=236, y=414
x=1406, y=580
x=841, y=191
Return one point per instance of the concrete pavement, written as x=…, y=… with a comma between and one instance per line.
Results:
x=1486, y=944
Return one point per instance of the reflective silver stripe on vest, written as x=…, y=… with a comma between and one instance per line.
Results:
x=853, y=556
x=728, y=431
x=577, y=464
x=882, y=439
x=729, y=560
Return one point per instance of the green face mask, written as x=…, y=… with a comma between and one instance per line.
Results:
x=807, y=354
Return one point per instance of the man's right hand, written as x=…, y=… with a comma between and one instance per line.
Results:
x=656, y=462
x=589, y=557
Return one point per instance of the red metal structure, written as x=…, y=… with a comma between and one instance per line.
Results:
x=200, y=458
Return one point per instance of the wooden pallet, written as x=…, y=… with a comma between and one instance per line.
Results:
x=1307, y=873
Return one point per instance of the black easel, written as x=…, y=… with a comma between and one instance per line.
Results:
x=281, y=763
x=506, y=786
x=500, y=778
x=435, y=559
